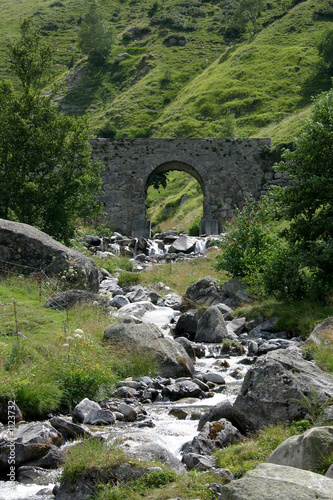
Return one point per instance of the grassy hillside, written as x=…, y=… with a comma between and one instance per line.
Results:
x=178, y=68
x=179, y=74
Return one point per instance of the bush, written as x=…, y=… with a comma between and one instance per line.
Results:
x=194, y=229
x=128, y=278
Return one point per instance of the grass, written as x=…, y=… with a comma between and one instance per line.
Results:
x=159, y=483
x=56, y=365
x=246, y=455
x=169, y=90
x=179, y=275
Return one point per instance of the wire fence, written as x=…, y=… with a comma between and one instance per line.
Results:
x=23, y=295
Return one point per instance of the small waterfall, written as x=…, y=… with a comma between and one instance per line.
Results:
x=200, y=245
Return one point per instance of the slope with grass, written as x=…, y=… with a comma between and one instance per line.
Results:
x=179, y=75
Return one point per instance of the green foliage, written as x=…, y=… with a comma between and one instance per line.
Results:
x=325, y=48
x=194, y=228
x=128, y=278
x=30, y=57
x=248, y=240
x=95, y=35
x=47, y=177
x=307, y=200
x=248, y=10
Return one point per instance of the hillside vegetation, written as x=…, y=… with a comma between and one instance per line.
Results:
x=183, y=68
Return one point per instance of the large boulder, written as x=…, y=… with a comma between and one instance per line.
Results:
x=184, y=244
x=206, y=291
x=212, y=328
x=305, y=451
x=274, y=388
x=90, y=412
x=278, y=482
x=27, y=247
x=182, y=389
x=171, y=357
x=213, y=435
x=323, y=332
x=31, y=443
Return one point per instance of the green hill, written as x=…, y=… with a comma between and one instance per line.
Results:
x=180, y=68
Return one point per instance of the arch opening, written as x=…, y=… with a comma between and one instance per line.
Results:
x=174, y=198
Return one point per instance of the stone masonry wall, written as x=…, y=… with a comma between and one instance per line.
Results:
x=229, y=170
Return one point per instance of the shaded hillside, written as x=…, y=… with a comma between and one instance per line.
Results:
x=178, y=68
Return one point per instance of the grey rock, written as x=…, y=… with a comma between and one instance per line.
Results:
x=180, y=390
x=130, y=414
x=214, y=377
x=197, y=461
x=69, y=430
x=174, y=301
x=326, y=417
x=237, y=325
x=221, y=410
x=323, y=332
x=206, y=291
x=171, y=357
x=236, y=290
x=187, y=346
x=27, y=474
x=119, y=301
x=329, y=472
x=152, y=451
x=212, y=327
x=273, y=345
x=4, y=411
x=82, y=409
x=184, y=244
x=305, y=451
x=213, y=435
x=186, y=326
x=39, y=251
x=272, y=386
x=278, y=482
x=70, y=298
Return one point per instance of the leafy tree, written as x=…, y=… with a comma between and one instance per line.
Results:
x=95, y=35
x=47, y=177
x=325, y=49
x=248, y=10
x=307, y=201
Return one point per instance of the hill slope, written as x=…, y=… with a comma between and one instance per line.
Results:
x=173, y=72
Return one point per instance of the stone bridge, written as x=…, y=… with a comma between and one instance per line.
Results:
x=228, y=171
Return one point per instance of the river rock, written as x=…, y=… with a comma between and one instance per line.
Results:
x=305, y=451
x=273, y=387
x=150, y=451
x=212, y=327
x=180, y=390
x=69, y=430
x=186, y=325
x=273, y=345
x=221, y=410
x=138, y=295
x=171, y=357
x=323, y=332
x=213, y=435
x=187, y=346
x=39, y=251
x=89, y=412
x=70, y=298
x=174, y=301
x=278, y=482
x=184, y=244
x=130, y=413
x=198, y=462
x=206, y=291
x=119, y=301
x=27, y=474
x=31, y=442
x=237, y=291
x=9, y=408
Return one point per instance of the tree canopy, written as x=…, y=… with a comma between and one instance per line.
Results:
x=95, y=35
x=47, y=176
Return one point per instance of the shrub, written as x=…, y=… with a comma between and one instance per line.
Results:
x=128, y=278
x=194, y=229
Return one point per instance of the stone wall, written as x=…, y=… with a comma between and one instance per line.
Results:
x=228, y=170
